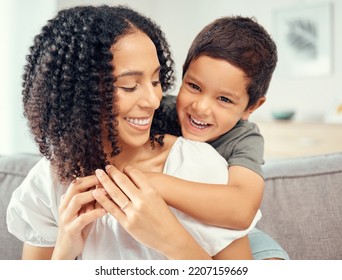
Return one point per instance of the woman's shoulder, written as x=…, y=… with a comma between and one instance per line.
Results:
x=42, y=179
x=196, y=161
x=196, y=147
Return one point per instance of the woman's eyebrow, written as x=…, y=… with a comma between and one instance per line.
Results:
x=136, y=72
x=130, y=73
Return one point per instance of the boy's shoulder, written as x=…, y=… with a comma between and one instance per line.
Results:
x=241, y=130
x=245, y=126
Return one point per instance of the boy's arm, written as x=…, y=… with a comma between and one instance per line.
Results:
x=231, y=206
x=239, y=249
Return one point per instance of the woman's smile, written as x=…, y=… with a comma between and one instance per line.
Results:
x=139, y=123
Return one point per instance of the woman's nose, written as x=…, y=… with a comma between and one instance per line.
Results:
x=152, y=97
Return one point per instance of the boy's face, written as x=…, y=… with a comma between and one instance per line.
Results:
x=212, y=99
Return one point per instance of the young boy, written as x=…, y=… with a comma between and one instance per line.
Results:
x=226, y=75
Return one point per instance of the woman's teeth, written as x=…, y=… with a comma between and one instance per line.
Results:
x=138, y=121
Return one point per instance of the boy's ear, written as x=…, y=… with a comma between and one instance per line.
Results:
x=252, y=108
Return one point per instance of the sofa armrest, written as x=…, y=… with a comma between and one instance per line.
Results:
x=13, y=170
x=302, y=206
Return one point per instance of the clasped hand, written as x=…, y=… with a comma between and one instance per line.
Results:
x=130, y=199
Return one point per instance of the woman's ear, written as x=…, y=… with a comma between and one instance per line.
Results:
x=252, y=108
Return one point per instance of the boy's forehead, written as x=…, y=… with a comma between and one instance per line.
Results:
x=217, y=72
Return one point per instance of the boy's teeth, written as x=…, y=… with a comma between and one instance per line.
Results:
x=138, y=121
x=198, y=123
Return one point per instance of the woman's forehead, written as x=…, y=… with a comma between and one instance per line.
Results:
x=134, y=52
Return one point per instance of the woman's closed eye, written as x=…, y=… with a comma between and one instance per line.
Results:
x=128, y=88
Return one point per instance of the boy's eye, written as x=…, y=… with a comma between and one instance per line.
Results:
x=224, y=99
x=194, y=86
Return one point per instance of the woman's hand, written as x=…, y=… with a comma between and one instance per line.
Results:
x=76, y=211
x=144, y=214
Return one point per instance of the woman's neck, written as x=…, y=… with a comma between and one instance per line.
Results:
x=146, y=158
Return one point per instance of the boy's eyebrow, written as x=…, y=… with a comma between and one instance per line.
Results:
x=136, y=73
x=229, y=93
x=232, y=94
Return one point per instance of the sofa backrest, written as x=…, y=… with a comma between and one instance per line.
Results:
x=302, y=206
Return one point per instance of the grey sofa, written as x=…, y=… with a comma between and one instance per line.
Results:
x=302, y=205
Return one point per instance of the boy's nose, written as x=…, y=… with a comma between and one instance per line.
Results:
x=202, y=106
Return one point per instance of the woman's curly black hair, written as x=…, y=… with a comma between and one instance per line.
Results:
x=68, y=84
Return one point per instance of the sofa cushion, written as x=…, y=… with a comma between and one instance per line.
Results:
x=13, y=170
x=302, y=206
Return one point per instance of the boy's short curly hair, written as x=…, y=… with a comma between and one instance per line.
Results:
x=68, y=84
x=242, y=42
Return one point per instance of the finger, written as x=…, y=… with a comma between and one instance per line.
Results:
x=78, y=185
x=98, y=205
x=118, y=196
x=88, y=217
x=87, y=207
x=76, y=203
x=122, y=181
x=91, y=205
x=108, y=204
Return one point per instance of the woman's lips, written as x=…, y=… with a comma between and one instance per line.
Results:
x=139, y=123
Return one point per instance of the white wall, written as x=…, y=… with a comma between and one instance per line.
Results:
x=181, y=20
x=20, y=21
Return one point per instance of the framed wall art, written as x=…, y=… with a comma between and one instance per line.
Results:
x=304, y=39
x=334, y=114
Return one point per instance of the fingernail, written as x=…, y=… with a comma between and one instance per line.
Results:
x=99, y=172
x=108, y=166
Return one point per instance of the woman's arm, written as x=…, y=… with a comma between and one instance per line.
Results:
x=232, y=206
x=36, y=253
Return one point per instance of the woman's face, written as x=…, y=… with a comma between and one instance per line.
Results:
x=138, y=89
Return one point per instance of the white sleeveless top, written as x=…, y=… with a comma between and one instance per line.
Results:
x=32, y=215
